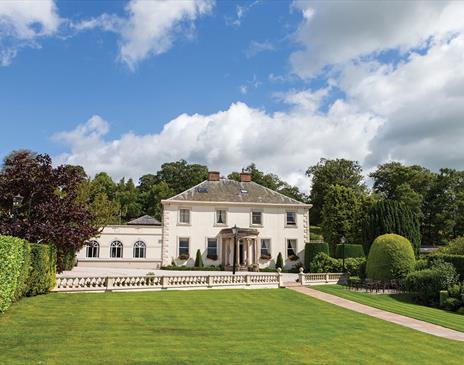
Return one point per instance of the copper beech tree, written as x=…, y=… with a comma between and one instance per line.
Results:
x=47, y=207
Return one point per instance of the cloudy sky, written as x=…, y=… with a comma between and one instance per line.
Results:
x=124, y=86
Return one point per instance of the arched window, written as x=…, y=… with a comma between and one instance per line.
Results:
x=92, y=249
x=116, y=249
x=140, y=249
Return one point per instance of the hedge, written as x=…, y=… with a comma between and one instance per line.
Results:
x=391, y=257
x=198, y=260
x=14, y=269
x=456, y=260
x=311, y=251
x=42, y=277
x=324, y=263
x=350, y=251
x=23, y=277
x=192, y=268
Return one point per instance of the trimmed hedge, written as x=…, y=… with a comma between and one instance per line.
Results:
x=456, y=260
x=311, y=251
x=25, y=270
x=42, y=277
x=390, y=257
x=350, y=251
x=192, y=268
x=14, y=269
x=324, y=263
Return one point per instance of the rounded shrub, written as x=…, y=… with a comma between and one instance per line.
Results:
x=350, y=251
x=390, y=257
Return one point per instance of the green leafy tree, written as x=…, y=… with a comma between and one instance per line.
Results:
x=444, y=208
x=339, y=213
x=327, y=173
x=127, y=196
x=406, y=184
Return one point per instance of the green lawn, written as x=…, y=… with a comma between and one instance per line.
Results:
x=274, y=326
x=398, y=303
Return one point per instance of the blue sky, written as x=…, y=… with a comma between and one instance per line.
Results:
x=124, y=86
x=68, y=80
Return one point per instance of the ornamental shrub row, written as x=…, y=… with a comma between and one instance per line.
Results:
x=25, y=269
x=350, y=251
x=324, y=263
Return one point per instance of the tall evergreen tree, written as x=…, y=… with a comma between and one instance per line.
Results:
x=389, y=216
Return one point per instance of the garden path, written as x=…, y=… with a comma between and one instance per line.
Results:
x=416, y=324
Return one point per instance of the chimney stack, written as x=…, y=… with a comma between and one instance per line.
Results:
x=213, y=176
x=245, y=176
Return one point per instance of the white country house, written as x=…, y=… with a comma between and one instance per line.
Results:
x=202, y=218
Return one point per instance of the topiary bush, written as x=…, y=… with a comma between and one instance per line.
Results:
x=279, y=261
x=13, y=269
x=311, y=251
x=351, y=250
x=42, y=277
x=198, y=259
x=390, y=257
x=389, y=216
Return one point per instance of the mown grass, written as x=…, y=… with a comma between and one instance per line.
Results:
x=400, y=304
x=275, y=326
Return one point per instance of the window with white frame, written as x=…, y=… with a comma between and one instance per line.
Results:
x=116, y=249
x=265, y=248
x=184, y=247
x=291, y=218
x=221, y=216
x=291, y=248
x=184, y=216
x=140, y=250
x=92, y=249
x=212, y=249
x=256, y=217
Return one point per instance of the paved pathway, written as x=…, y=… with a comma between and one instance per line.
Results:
x=422, y=326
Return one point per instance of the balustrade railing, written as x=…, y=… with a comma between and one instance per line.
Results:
x=153, y=282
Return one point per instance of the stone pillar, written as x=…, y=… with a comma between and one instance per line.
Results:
x=223, y=251
x=279, y=277
x=301, y=277
x=237, y=257
x=245, y=251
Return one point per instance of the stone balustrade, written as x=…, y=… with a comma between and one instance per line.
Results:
x=153, y=282
x=319, y=278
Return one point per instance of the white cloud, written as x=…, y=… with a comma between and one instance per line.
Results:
x=256, y=47
x=150, y=27
x=23, y=23
x=240, y=13
x=335, y=32
x=243, y=89
x=285, y=143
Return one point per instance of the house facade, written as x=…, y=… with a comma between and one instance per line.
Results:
x=136, y=244
x=204, y=218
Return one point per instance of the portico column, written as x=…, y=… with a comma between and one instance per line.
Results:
x=237, y=257
x=256, y=251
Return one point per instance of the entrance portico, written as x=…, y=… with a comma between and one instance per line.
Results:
x=247, y=247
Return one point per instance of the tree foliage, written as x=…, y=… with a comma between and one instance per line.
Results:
x=389, y=216
x=339, y=215
x=50, y=211
x=327, y=173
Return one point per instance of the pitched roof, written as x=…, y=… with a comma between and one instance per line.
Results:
x=233, y=191
x=145, y=220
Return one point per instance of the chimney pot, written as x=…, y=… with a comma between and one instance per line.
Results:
x=213, y=176
x=245, y=176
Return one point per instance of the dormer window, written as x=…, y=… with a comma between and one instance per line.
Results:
x=221, y=216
